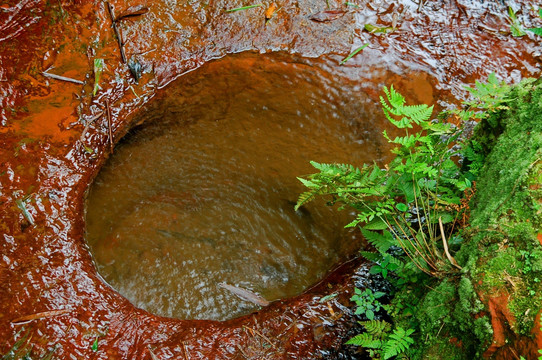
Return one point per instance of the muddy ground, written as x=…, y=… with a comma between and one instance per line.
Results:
x=55, y=135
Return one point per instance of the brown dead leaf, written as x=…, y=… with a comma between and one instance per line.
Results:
x=270, y=11
x=327, y=15
x=132, y=11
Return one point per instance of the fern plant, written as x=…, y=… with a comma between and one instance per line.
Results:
x=408, y=202
x=381, y=342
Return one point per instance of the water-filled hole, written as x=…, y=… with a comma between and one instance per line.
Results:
x=203, y=191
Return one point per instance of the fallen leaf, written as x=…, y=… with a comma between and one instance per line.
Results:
x=270, y=11
x=132, y=11
x=327, y=15
x=98, y=68
x=379, y=29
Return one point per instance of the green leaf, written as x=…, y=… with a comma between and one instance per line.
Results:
x=401, y=207
x=98, y=69
x=365, y=340
x=95, y=345
x=377, y=328
x=327, y=298
x=515, y=26
x=376, y=224
x=537, y=31
x=353, y=53
x=381, y=241
x=379, y=29
x=398, y=342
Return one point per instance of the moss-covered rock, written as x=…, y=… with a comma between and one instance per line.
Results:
x=503, y=253
x=489, y=308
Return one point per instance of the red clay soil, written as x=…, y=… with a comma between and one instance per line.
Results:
x=55, y=135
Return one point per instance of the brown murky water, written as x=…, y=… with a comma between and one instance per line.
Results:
x=203, y=192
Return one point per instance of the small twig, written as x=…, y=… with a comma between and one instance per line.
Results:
x=242, y=352
x=185, y=352
x=117, y=32
x=452, y=260
x=420, y=5
x=89, y=122
x=63, y=78
x=109, y=125
x=153, y=356
x=262, y=335
x=41, y=315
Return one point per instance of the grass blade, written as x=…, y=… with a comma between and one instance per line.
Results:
x=353, y=53
x=244, y=8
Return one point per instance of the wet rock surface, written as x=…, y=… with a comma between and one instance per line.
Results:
x=55, y=135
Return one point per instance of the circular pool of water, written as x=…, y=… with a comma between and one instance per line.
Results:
x=202, y=191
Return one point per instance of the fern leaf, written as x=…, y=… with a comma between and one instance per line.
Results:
x=398, y=342
x=382, y=242
x=377, y=328
x=371, y=256
x=365, y=340
x=537, y=31
x=304, y=198
x=308, y=183
x=376, y=224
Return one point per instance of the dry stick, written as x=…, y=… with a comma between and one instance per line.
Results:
x=117, y=33
x=109, y=125
x=452, y=260
x=63, y=78
x=41, y=315
x=185, y=352
x=153, y=356
x=242, y=352
x=89, y=122
x=262, y=335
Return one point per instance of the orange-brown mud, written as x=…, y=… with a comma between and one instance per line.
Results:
x=55, y=136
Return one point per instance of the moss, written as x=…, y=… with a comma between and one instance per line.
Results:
x=503, y=251
x=445, y=349
x=502, y=187
x=435, y=308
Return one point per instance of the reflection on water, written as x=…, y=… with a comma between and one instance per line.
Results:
x=203, y=192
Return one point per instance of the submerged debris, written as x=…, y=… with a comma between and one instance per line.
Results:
x=245, y=294
x=132, y=11
x=62, y=78
x=270, y=11
x=327, y=15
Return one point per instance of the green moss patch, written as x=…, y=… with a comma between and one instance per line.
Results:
x=503, y=253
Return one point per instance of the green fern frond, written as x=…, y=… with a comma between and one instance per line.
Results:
x=382, y=242
x=394, y=104
x=377, y=328
x=371, y=256
x=365, y=340
x=398, y=342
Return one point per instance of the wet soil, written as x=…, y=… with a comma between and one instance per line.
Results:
x=55, y=136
